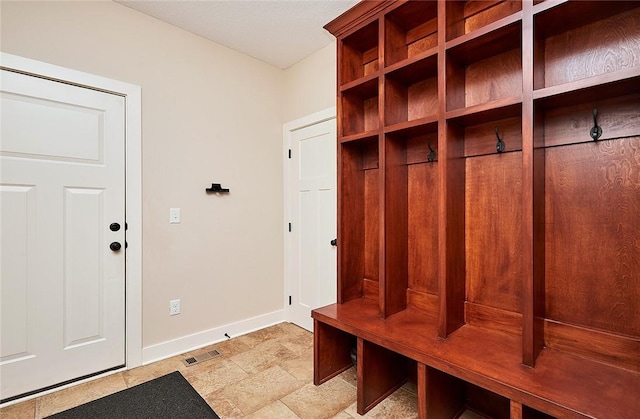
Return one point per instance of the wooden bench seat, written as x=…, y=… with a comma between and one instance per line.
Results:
x=561, y=384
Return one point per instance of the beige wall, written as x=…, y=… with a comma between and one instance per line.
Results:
x=208, y=114
x=310, y=85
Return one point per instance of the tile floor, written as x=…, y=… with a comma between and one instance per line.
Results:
x=264, y=374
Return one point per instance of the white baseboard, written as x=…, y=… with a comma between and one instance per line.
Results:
x=188, y=343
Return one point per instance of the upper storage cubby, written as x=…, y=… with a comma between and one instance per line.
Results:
x=583, y=44
x=359, y=54
x=360, y=108
x=484, y=70
x=411, y=92
x=411, y=30
x=464, y=17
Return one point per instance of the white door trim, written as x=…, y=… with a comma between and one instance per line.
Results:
x=287, y=130
x=133, y=198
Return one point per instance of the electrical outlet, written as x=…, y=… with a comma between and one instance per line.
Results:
x=174, y=215
x=174, y=307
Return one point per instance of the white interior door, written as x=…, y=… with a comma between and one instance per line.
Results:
x=314, y=212
x=62, y=180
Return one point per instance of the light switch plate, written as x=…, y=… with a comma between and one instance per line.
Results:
x=174, y=215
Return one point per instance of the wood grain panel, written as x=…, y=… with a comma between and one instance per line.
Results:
x=369, y=154
x=423, y=227
x=611, y=349
x=454, y=19
x=475, y=7
x=357, y=203
x=370, y=114
x=351, y=68
x=515, y=409
x=455, y=83
x=418, y=151
x=486, y=402
x=451, y=277
x=494, y=78
x=396, y=103
x=380, y=373
x=351, y=225
x=359, y=53
x=410, y=30
x=422, y=383
x=423, y=302
x=369, y=57
x=593, y=242
x=352, y=114
x=371, y=289
x=493, y=318
x=411, y=94
x=601, y=47
x=618, y=118
x=422, y=38
x=445, y=396
x=372, y=66
x=394, y=281
x=493, y=209
x=371, y=224
x=332, y=352
x=423, y=30
x=482, y=139
x=422, y=99
x=482, y=13
x=395, y=43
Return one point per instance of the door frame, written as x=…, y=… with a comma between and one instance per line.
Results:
x=133, y=183
x=287, y=130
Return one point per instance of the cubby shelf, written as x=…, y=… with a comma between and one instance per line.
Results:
x=416, y=125
x=591, y=89
x=488, y=198
x=505, y=107
x=362, y=136
x=363, y=86
x=424, y=56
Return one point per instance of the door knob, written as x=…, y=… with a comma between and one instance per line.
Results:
x=114, y=227
x=115, y=246
x=334, y=242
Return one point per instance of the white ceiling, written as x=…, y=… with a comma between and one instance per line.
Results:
x=278, y=32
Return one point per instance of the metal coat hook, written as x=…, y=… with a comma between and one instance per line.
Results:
x=216, y=188
x=500, y=144
x=432, y=153
x=596, y=130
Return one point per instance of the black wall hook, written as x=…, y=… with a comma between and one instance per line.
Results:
x=432, y=154
x=500, y=145
x=596, y=130
x=216, y=188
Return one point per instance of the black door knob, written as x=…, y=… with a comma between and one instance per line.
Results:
x=114, y=227
x=115, y=246
x=334, y=242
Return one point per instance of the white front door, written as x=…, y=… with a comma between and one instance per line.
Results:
x=62, y=178
x=313, y=226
